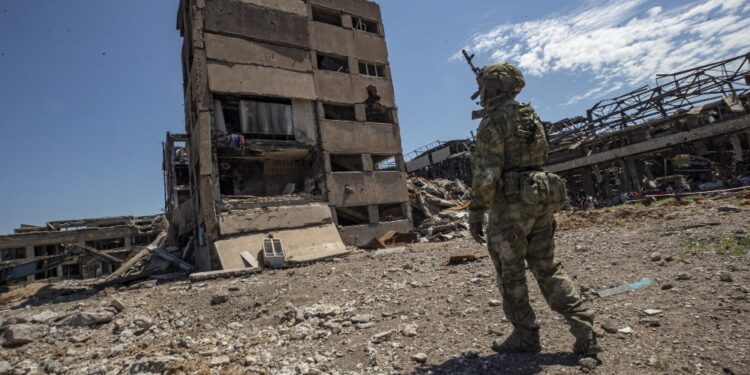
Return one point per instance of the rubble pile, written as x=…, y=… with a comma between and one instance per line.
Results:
x=439, y=208
x=419, y=308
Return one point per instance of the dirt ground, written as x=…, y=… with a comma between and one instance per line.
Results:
x=409, y=313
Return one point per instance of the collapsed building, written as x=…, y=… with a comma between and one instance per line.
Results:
x=46, y=252
x=292, y=146
x=693, y=124
x=449, y=160
x=689, y=132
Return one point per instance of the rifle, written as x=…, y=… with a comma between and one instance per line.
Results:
x=469, y=59
x=477, y=71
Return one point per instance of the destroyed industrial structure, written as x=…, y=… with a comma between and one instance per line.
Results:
x=449, y=160
x=74, y=249
x=292, y=147
x=689, y=132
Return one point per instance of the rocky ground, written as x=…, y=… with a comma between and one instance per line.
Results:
x=409, y=313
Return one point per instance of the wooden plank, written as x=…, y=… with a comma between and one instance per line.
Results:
x=705, y=131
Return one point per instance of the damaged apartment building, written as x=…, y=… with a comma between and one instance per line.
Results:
x=75, y=249
x=292, y=147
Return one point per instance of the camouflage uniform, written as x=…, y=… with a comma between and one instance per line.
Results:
x=509, y=182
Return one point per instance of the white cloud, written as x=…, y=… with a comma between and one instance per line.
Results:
x=621, y=43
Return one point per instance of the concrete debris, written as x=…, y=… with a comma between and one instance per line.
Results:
x=117, y=304
x=729, y=208
x=20, y=334
x=463, y=258
x=389, y=251
x=726, y=277
x=381, y=337
x=83, y=319
x=439, y=208
x=219, y=299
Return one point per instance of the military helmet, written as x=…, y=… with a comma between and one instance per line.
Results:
x=501, y=79
x=507, y=75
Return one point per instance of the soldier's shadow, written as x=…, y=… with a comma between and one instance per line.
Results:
x=499, y=364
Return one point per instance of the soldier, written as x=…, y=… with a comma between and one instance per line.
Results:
x=521, y=198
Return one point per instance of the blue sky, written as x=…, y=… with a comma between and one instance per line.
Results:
x=88, y=88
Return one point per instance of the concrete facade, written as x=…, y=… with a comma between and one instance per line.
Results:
x=287, y=102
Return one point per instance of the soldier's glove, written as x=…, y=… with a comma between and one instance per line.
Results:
x=477, y=231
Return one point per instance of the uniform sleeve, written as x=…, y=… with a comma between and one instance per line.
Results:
x=487, y=166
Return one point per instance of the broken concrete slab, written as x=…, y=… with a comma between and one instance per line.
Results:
x=300, y=245
x=389, y=251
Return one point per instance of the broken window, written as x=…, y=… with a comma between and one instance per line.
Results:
x=362, y=24
x=182, y=174
x=372, y=69
x=374, y=111
x=391, y=212
x=46, y=274
x=339, y=112
x=46, y=250
x=346, y=163
x=326, y=16
x=263, y=178
x=71, y=271
x=333, y=63
x=116, y=243
x=384, y=162
x=253, y=117
x=350, y=216
x=13, y=254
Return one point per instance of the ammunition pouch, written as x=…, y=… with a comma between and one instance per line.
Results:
x=536, y=188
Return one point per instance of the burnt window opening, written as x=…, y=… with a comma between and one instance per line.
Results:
x=372, y=69
x=116, y=243
x=326, y=16
x=351, y=216
x=332, y=63
x=265, y=178
x=367, y=26
x=346, y=163
x=71, y=271
x=254, y=117
x=13, y=254
x=46, y=274
x=339, y=112
x=182, y=174
x=374, y=111
x=384, y=162
x=391, y=212
x=46, y=250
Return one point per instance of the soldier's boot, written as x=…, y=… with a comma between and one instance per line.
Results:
x=587, y=346
x=522, y=340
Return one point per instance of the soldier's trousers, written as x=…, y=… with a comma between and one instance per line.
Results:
x=519, y=234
